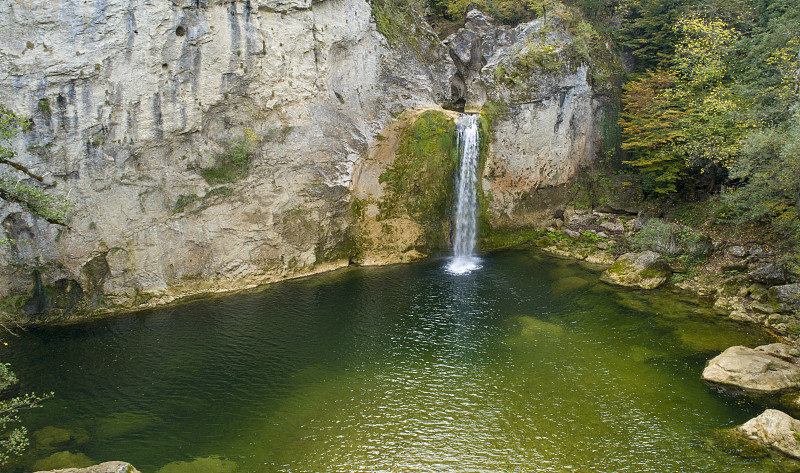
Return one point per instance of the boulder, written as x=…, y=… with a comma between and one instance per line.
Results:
x=768, y=369
x=772, y=273
x=646, y=270
x=672, y=239
x=107, y=467
x=776, y=430
x=737, y=252
x=788, y=294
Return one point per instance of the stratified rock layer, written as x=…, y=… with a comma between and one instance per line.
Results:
x=134, y=104
x=131, y=101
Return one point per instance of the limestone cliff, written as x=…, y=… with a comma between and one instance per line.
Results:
x=536, y=85
x=211, y=145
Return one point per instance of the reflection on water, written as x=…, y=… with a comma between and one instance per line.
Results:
x=528, y=365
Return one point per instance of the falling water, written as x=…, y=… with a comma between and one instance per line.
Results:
x=466, y=221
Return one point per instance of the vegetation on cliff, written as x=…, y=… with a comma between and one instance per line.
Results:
x=420, y=181
x=20, y=184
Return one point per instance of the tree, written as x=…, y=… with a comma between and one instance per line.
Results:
x=650, y=124
x=13, y=436
x=31, y=196
x=687, y=112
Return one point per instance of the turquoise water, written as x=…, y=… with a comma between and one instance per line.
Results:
x=528, y=365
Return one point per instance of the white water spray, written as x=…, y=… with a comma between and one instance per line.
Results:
x=466, y=218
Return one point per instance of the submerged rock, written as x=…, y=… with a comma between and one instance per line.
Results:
x=776, y=430
x=52, y=438
x=200, y=465
x=768, y=369
x=107, y=467
x=646, y=270
x=63, y=460
x=122, y=423
x=569, y=284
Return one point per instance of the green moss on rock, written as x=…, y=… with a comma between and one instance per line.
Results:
x=420, y=181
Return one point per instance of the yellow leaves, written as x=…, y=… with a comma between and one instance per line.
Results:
x=700, y=56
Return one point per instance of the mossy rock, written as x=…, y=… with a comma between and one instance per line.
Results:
x=569, y=284
x=200, y=465
x=646, y=270
x=531, y=328
x=61, y=460
x=53, y=438
x=733, y=441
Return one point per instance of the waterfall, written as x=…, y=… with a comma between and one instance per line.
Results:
x=466, y=218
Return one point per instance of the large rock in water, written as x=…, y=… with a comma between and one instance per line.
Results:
x=775, y=429
x=646, y=270
x=768, y=369
x=107, y=467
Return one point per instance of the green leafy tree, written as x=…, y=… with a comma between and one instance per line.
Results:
x=13, y=435
x=770, y=171
x=13, y=188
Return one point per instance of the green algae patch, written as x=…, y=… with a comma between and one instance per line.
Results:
x=52, y=438
x=419, y=183
x=200, y=465
x=508, y=237
x=63, y=460
x=569, y=284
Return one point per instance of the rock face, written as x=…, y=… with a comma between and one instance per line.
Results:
x=770, y=273
x=768, y=369
x=133, y=103
x=545, y=116
x=788, y=294
x=646, y=270
x=107, y=467
x=775, y=429
x=212, y=145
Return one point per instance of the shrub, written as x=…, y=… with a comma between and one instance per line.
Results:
x=231, y=165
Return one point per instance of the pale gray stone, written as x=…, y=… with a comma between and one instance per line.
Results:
x=774, y=429
x=768, y=369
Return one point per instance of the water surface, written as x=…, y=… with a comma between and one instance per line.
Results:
x=529, y=364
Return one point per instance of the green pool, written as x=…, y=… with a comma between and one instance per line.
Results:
x=528, y=365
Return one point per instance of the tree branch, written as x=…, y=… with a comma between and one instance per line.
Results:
x=10, y=198
x=22, y=168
